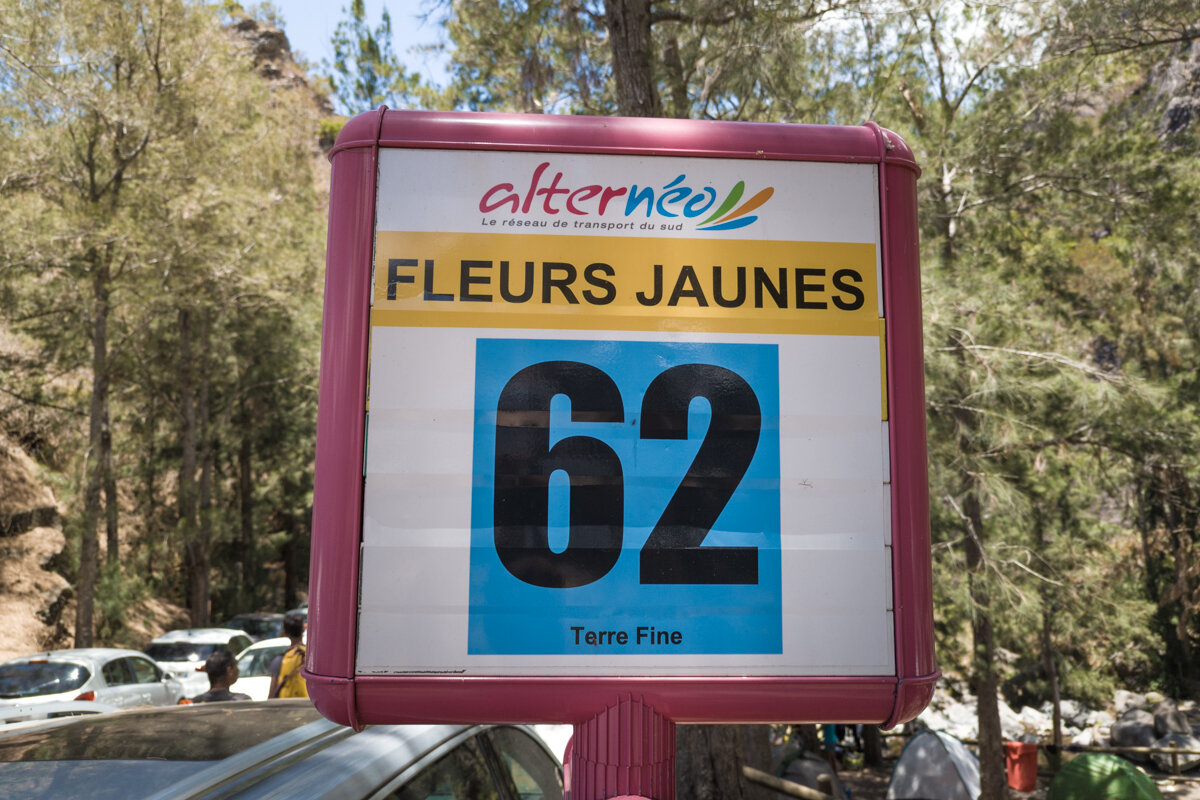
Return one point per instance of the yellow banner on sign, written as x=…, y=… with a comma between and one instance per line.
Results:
x=488, y=280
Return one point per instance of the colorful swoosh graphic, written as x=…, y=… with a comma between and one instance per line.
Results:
x=722, y=221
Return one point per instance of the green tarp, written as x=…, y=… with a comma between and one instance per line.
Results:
x=1099, y=776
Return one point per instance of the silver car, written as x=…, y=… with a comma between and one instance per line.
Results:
x=104, y=675
x=272, y=749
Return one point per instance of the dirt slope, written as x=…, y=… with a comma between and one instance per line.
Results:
x=36, y=610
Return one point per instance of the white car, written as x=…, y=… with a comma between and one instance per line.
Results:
x=254, y=676
x=104, y=675
x=183, y=653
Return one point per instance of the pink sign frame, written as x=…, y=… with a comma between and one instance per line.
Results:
x=356, y=700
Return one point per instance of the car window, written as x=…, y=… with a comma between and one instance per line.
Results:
x=239, y=643
x=116, y=673
x=535, y=775
x=262, y=627
x=257, y=662
x=37, y=678
x=180, y=651
x=462, y=774
x=144, y=670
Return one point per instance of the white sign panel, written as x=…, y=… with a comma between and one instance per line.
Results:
x=626, y=416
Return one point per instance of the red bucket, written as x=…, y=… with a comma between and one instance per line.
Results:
x=1020, y=762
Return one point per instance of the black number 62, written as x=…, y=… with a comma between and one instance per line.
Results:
x=673, y=553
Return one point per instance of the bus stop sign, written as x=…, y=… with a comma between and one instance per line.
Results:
x=620, y=407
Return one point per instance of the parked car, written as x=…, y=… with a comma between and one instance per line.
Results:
x=182, y=653
x=106, y=675
x=258, y=625
x=254, y=675
x=24, y=715
x=279, y=748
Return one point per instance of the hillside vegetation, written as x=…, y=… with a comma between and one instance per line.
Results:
x=161, y=271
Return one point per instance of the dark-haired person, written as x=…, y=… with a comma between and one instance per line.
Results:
x=222, y=670
x=286, y=680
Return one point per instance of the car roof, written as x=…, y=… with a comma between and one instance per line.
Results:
x=199, y=635
x=258, y=615
x=216, y=731
x=260, y=748
x=79, y=655
x=264, y=644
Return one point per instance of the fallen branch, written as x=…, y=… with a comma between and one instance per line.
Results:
x=789, y=788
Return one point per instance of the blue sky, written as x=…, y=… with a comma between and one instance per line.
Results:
x=309, y=25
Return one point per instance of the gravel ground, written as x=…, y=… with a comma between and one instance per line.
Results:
x=871, y=784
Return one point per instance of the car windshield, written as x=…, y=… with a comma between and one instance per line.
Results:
x=180, y=651
x=35, y=679
x=256, y=662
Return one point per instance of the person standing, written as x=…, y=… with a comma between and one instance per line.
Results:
x=831, y=738
x=286, y=680
x=222, y=670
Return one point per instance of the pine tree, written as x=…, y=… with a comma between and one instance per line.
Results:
x=160, y=184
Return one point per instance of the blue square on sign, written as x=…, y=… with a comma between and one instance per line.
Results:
x=625, y=498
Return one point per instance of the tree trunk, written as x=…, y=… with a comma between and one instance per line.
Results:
x=291, y=578
x=709, y=761
x=196, y=569
x=680, y=103
x=291, y=546
x=992, y=778
x=205, y=489
x=1049, y=662
x=1050, y=666
x=984, y=681
x=112, y=551
x=628, y=24
x=809, y=738
x=757, y=742
x=872, y=746
x=149, y=501
x=246, y=503
x=89, y=544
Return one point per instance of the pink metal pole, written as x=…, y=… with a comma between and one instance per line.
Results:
x=625, y=751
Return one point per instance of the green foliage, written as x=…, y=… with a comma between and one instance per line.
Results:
x=366, y=72
x=265, y=11
x=328, y=129
x=534, y=57
x=149, y=177
x=117, y=594
x=721, y=60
